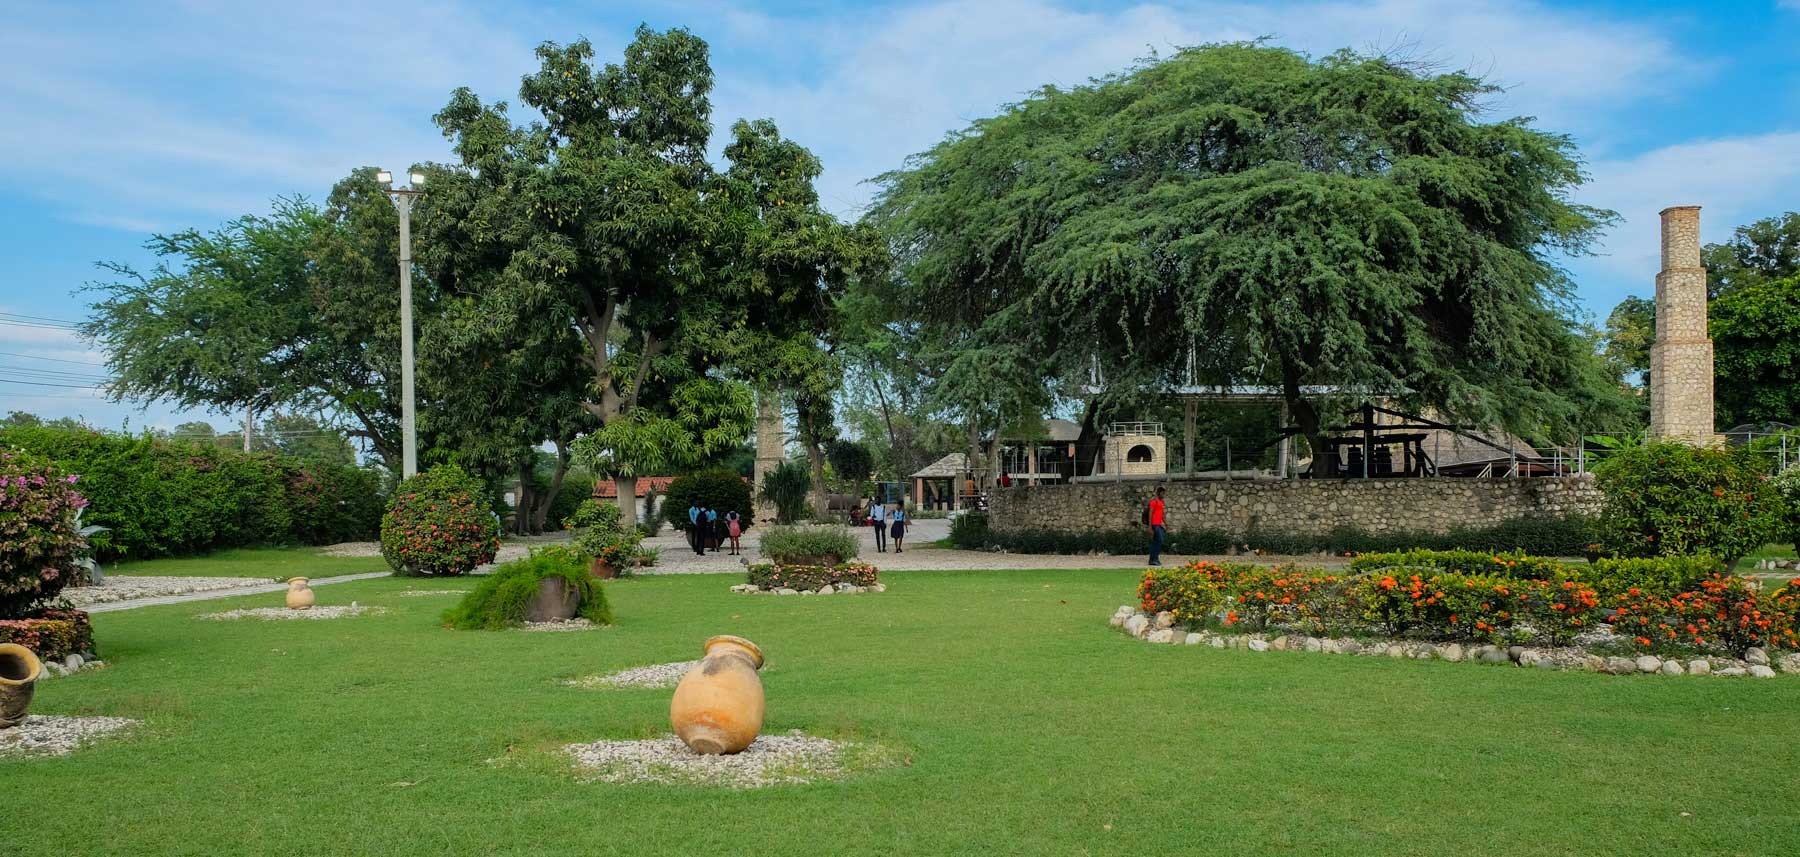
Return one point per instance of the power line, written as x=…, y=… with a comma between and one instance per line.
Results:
x=52, y=359
x=60, y=321
x=42, y=384
x=37, y=325
x=57, y=374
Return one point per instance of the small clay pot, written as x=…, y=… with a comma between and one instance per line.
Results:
x=299, y=594
x=19, y=671
x=555, y=601
x=602, y=569
x=718, y=706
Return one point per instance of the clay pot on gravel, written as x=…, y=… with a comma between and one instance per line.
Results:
x=602, y=569
x=718, y=706
x=19, y=671
x=555, y=601
x=299, y=594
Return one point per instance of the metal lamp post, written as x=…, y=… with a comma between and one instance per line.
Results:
x=403, y=200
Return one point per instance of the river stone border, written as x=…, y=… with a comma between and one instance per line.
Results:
x=828, y=589
x=1160, y=628
x=794, y=758
x=57, y=734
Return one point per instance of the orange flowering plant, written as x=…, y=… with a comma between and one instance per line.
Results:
x=1191, y=592
x=1725, y=615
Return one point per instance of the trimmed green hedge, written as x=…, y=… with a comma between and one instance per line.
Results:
x=786, y=543
x=1543, y=536
x=1662, y=576
x=499, y=600
x=164, y=498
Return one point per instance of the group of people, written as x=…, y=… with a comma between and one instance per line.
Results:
x=888, y=523
x=708, y=528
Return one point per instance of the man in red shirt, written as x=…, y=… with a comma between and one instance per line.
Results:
x=1157, y=531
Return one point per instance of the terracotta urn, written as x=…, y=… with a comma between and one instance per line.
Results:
x=19, y=671
x=602, y=569
x=555, y=601
x=299, y=595
x=718, y=707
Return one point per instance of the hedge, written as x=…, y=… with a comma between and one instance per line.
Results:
x=162, y=498
x=720, y=490
x=1561, y=536
x=53, y=635
x=1607, y=576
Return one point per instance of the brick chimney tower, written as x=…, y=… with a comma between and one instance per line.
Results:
x=1681, y=359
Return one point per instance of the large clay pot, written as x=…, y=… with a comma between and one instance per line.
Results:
x=718, y=707
x=555, y=601
x=602, y=569
x=19, y=671
x=299, y=594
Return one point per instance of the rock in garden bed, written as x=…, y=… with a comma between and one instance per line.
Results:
x=793, y=758
x=838, y=589
x=57, y=735
x=654, y=675
x=280, y=614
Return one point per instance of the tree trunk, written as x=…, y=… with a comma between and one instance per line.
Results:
x=522, y=502
x=887, y=416
x=1306, y=417
x=540, y=516
x=975, y=487
x=626, y=486
x=815, y=458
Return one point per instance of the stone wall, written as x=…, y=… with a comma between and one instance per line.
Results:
x=1681, y=359
x=1295, y=505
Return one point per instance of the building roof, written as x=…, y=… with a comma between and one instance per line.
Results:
x=606, y=489
x=1062, y=431
x=952, y=465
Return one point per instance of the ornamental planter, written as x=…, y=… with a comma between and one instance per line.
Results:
x=602, y=569
x=718, y=707
x=299, y=594
x=555, y=601
x=19, y=671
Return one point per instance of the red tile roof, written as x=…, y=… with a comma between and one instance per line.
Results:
x=607, y=489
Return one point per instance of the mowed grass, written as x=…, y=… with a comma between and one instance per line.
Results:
x=273, y=563
x=1026, y=724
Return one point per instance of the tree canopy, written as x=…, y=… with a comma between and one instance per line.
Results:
x=1347, y=221
x=1768, y=249
x=1756, y=353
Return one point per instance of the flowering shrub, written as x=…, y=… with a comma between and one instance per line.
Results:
x=598, y=534
x=811, y=577
x=39, y=543
x=1515, y=564
x=1446, y=606
x=1664, y=575
x=436, y=525
x=54, y=635
x=1723, y=614
x=1787, y=484
x=1670, y=499
x=1559, y=610
x=1191, y=592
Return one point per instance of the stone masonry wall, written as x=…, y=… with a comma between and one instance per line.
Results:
x=1295, y=505
x=1681, y=359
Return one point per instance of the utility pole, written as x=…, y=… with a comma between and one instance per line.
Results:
x=403, y=200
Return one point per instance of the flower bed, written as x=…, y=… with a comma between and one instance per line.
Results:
x=53, y=635
x=1669, y=615
x=812, y=579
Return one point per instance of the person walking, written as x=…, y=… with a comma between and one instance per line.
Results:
x=899, y=527
x=694, y=538
x=1153, y=516
x=878, y=518
x=712, y=529
x=734, y=529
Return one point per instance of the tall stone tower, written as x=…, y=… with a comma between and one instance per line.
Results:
x=1681, y=359
x=771, y=449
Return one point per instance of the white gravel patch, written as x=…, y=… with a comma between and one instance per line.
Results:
x=575, y=624
x=771, y=760
x=275, y=614
x=57, y=735
x=124, y=587
x=655, y=675
x=420, y=593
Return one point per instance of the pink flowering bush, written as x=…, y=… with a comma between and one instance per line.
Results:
x=38, y=539
x=438, y=524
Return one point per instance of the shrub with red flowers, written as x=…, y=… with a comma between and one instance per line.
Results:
x=39, y=542
x=437, y=524
x=1671, y=499
x=1190, y=593
x=1725, y=614
x=1558, y=610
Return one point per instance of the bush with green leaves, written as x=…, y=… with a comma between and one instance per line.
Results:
x=970, y=531
x=809, y=544
x=717, y=489
x=600, y=535
x=1671, y=499
x=161, y=498
x=1607, y=576
x=438, y=523
x=500, y=599
x=39, y=541
x=788, y=487
x=811, y=577
x=1787, y=484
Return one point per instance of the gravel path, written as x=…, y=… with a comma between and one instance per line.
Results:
x=122, y=587
x=282, y=614
x=236, y=590
x=770, y=760
x=655, y=675
x=57, y=735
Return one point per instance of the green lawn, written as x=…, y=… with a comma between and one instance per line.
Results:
x=1031, y=728
x=279, y=563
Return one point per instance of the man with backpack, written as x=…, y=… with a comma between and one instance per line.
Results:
x=1153, y=518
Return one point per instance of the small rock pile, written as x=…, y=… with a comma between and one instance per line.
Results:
x=1776, y=564
x=828, y=589
x=1160, y=628
x=280, y=614
x=770, y=760
x=70, y=665
x=57, y=735
x=575, y=624
x=655, y=675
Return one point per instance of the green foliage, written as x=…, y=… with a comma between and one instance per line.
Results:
x=163, y=497
x=709, y=489
x=970, y=531
x=438, y=524
x=1662, y=575
x=1787, y=484
x=1756, y=351
x=1346, y=221
x=1609, y=577
x=811, y=577
x=600, y=535
x=1768, y=249
x=851, y=461
x=1510, y=564
x=1670, y=499
x=500, y=599
x=39, y=542
x=576, y=490
x=52, y=634
x=789, y=545
x=787, y=486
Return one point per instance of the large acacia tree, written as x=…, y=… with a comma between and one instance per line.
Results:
x=607, y=220
x=1349, y=222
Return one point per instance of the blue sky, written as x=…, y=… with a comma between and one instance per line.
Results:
x=119, y=120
